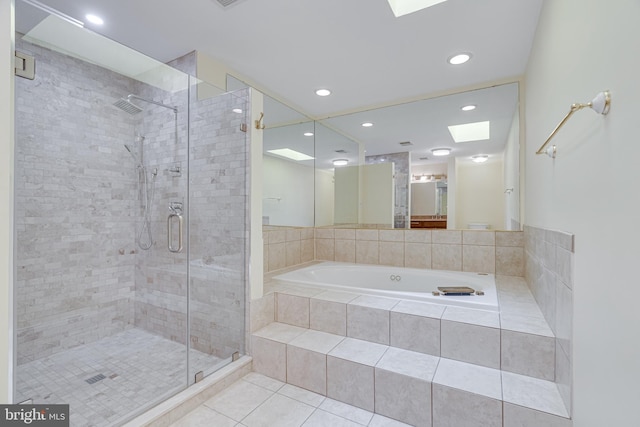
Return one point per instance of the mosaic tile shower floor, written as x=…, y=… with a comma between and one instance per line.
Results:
x=138, y=367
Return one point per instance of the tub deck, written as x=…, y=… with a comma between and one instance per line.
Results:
x=393, y=282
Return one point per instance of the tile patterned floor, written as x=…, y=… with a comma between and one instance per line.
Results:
x=259, y=401
x=138, y=367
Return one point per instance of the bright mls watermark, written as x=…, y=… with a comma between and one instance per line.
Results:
x=34, y=415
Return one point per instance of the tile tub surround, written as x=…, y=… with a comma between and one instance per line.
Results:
x=287, y=246
x=489, y=251
x=517, y=339
x=402, y=384
x=549, y=274
x=520, y=348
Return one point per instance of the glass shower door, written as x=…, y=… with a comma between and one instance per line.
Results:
x=217, y=222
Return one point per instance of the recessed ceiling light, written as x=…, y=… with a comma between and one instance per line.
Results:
x=367, y=125
x=478, y=131
x=290, y=154
x=480, y=158
x=94, y=19
x=340, y=162
x=308, y=134
x=468, y=107
x=237, y=110
x=460, y=58
x=441, y=151
x=323, y=92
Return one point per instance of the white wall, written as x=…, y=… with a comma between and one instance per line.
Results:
x=512, y=175
x=6, y=200
x=347, y=194
x=256, y=258
x=452, y=190
x=324, y=197
x=377, y=194
x=591, y=189
x=291, y=183
x=480, y=193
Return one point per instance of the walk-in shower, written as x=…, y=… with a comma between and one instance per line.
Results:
x=101, y=324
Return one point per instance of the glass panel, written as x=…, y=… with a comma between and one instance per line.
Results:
x=101, y=164
x=217, y=223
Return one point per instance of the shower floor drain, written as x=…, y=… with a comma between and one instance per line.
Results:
x=95, y=379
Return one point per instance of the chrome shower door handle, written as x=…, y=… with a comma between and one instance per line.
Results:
x=173, y=218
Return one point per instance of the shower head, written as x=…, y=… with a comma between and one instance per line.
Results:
x=127, y=106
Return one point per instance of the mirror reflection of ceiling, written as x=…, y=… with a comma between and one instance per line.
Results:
x=422, y=123
x=356, y=48
x=425, y=123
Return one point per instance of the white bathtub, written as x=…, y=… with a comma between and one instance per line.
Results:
x=404, y=283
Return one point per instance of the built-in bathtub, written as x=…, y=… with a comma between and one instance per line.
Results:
x=396, y=282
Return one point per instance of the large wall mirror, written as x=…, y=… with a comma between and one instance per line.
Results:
x=389, y=174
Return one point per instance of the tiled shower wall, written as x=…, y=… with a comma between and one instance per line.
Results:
x=75, y=186
x=161, y=276
x=549, y=274
x=499, y=252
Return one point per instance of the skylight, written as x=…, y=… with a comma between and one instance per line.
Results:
x=478, y=131
x=290, y=154
x=405, y=7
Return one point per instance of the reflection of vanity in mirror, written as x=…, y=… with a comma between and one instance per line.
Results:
x=337, y=172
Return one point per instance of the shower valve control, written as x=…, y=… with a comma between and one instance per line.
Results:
x=175, y=208
x=175, y=170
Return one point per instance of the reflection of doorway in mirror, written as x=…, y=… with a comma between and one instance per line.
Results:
x=429, y=198
x=424, y=200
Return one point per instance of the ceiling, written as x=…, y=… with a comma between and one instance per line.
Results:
x=356, y=48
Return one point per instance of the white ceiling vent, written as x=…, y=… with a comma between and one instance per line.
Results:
x=406, y=143
x=227, y=3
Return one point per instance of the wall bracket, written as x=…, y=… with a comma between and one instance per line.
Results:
x=25, y=65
